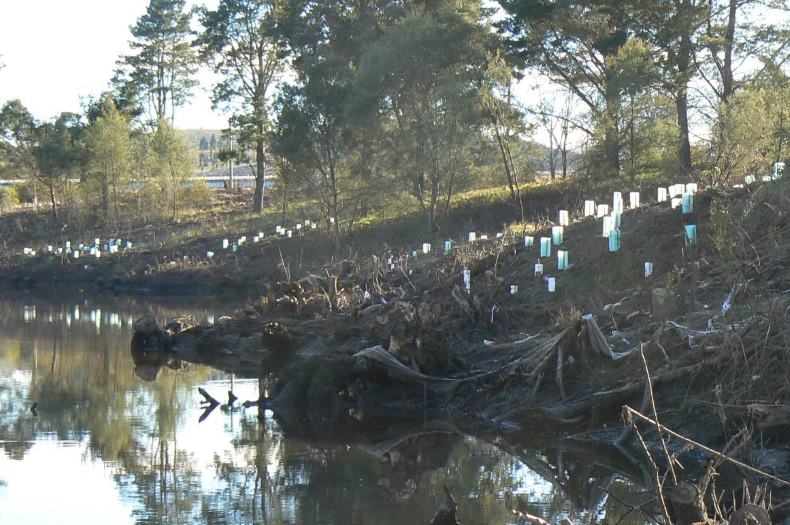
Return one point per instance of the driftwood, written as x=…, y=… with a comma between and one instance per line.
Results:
x=538, y=357
x=630, y=412
x=398, y=370
x=598, y=341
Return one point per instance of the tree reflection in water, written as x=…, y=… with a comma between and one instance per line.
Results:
x=237, y=467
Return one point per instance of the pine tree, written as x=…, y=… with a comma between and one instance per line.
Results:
x=162, y=69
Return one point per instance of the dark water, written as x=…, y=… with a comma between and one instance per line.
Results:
x=107, y=447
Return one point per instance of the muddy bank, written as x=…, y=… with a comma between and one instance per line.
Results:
x=698, y=343
x=173, y=258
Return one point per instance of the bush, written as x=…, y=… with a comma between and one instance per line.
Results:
x=25, y=192
x=8, y=198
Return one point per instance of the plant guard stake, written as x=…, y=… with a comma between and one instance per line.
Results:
x=617, y=204
x=545, y=246
x=614, y=240
x=562, y=259
x=691, y=234
x=687, y=203
x=607, y=226
x=556, y=234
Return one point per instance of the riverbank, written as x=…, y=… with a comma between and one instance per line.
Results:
x=196, y=254
x=387, y=326
x=399, y=331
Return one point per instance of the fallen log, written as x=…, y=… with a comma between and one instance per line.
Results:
x=398, y=370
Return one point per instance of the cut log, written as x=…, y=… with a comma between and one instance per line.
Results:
x=750, y=515
x=687, y=503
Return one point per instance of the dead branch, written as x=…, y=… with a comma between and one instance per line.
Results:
x=649, y=387
x=207, y=397
x=700, y=446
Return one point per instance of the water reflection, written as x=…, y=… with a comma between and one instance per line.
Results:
x=118, y=439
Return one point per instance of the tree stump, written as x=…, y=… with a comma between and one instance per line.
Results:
x=688, y=504
x=750, y=515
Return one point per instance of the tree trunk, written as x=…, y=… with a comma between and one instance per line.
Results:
x=612, y=133
x=336, y=228
x=285, y=202
x=260, y=171
x=54, y=202
x=684, y=144
x=681, y=95
x=727, y=80
x=510, y=174
x=175, y=194
x=105, y=197
x=434, y=202
x=612, y=150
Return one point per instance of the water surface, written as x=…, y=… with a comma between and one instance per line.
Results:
x=104, y=446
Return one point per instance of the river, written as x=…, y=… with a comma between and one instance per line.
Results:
x=89, y=438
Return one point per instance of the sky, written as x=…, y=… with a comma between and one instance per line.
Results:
x=57, y=52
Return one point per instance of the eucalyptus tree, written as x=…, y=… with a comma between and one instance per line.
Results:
x=161, y=70
x=109, y=148
x=317, y=135
x=506, y=122
x=240, y=43
x=19, y=137
x=423, y=77
x=59, y=155
x=169, y=163
x=573, y=43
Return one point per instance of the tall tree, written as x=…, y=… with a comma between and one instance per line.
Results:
x=316, y=135
x=573, y=43
x=506, y=122
x=423, y=75
x=20, y=136
x=169, y=163
x=672, y=27
x=109, y=147
x=59, y=154
x=162, y=68
x=238, y=40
